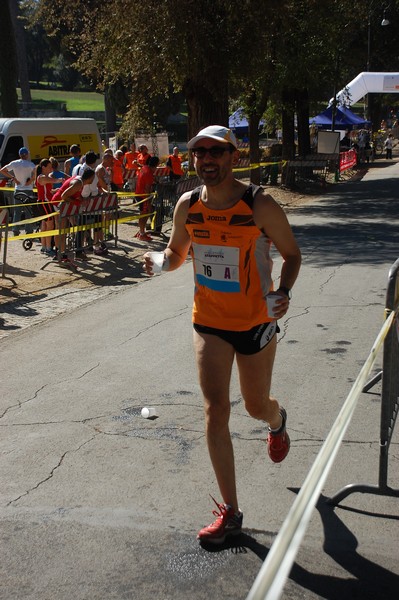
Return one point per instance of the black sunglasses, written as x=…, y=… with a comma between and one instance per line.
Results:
x=214, y=151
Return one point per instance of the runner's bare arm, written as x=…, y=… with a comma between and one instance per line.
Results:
x=270, y=217
x=179, y=243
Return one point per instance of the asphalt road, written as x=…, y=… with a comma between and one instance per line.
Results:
x=97, y=503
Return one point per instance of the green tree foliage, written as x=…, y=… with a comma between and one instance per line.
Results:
x=291, y=53
x=157, y=47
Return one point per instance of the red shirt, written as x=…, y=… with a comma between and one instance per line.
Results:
x=75, y=198
x=128, y=160
x=45, y=196
x=44, y=191
x=143, y=158
x=175, y=162
x=117, y=172
x=145, y=180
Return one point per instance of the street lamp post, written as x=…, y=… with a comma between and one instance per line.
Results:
x=384, y=23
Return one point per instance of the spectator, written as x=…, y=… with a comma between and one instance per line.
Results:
x=118, y=172
x=361, y=142
x=174, y=164
x=90, y=189
x=144, y=188
x=70, y=191
x=143, y=156
x=388, y=144
x=70, y=163
x=57, y=174
x=45, y=180
x=104, y=173
x=23, y=176
x=89, y=162
x=345, y=143
x=104, y=176
x=131, y=167
x=130, y=158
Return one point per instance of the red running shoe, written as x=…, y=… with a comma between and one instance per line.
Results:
x=227, y=523
x=278, y=442
x=144, y=237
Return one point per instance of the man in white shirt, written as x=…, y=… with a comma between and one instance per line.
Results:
x=22, y=172
x=98, y=186
x=89, y=163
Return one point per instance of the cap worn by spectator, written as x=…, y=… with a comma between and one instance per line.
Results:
x=23, y=151
x=214, y=132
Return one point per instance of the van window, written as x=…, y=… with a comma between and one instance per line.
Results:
x=10, y=151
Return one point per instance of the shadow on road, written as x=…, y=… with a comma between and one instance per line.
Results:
x=363, y=578
x=355, y=222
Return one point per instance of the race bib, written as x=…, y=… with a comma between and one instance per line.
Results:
x=217, y=267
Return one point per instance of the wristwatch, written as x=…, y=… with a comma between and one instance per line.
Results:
x=286, y=291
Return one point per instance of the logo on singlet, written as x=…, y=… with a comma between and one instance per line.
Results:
x=216, y=218
x=201, y=234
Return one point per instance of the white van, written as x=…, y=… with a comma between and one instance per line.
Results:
x=47, y=137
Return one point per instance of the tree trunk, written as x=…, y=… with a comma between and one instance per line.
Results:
x=8, y=65
x=254, y=153
x=303, y=122
x=288, y=113
x=19, y=33
x=204, y=108
x=110, y=116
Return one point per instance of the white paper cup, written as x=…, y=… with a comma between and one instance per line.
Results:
x=157, y=259
x=271, y=300
x=148, y=411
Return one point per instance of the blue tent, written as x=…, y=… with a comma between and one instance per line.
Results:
x=239, y=123
x=344, y=119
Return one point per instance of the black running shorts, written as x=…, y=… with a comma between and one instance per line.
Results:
x=244, y=342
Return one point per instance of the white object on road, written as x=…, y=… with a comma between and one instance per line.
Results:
x=148, y=411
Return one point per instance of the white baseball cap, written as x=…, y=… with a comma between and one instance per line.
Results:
x=214, y=132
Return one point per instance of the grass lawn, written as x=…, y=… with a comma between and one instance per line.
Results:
x=85, y=101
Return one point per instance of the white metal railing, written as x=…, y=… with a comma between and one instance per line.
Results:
x=274, y=572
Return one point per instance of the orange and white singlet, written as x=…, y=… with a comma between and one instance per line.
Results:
x=232, y=264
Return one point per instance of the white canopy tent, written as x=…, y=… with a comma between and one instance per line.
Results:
x=365, y=83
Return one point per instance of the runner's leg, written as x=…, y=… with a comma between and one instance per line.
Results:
x=214, y=361
x=255, y=372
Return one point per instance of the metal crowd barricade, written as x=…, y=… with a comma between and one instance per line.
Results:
x=243, y=169
x=130, y=180
x=102, y=209
x=4, y=221
x=389, y=396
x=167, y=194
x=304, y=168
x=274, y=572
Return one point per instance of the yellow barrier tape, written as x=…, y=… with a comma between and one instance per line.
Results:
x=44, y=217
x=32, y=220
x=251, y=166
x=125, y=195
x=35, y=203
x=76, y=228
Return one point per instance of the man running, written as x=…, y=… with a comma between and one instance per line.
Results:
x=228, y=228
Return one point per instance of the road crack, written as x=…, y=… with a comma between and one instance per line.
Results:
x=52, y=472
